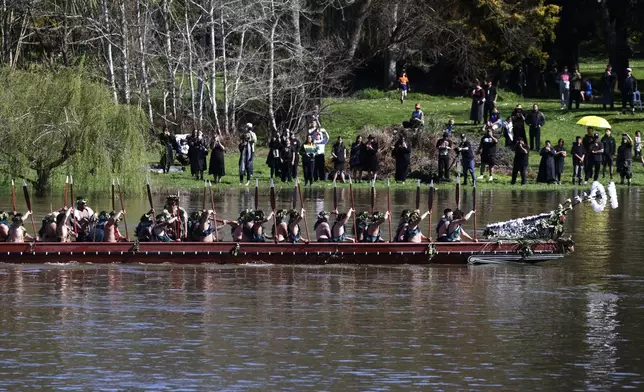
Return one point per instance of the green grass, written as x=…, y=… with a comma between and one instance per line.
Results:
x=373, y=108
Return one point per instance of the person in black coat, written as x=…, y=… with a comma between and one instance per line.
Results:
x=402, y=154
x=595, y=157
x=356, y=158
x=587, y=141
x=466, y=152
x=217, y=161
x=273, y=159
x=170, y=145
x=610, y=148
x=490, y=100
x=478, y=101
x=521, y=161
x=372, y=165
x=629, y=86
x=609, y=88
x=518, y=123
x=295, y=147
x=547, y=165
x=535, y=119
x=339, y=157
x=197, y=153
x=560, y=157
x=287, y=160
x=578, y=153
x=487, y=149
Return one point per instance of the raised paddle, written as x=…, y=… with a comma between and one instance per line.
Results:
x=335, y=196
x=355, y=226
x=389, y=210
x=373, y=195
x=273, y=209
x=430, y=207
x=214, y=211
x=294, y=195
x=65, y=192
x=306, y=225
x=418, y=195
x=256, y=194
x=205, y=188
x=71, y=192
x=180, y=232
x=13, y=197
x=113, y=197
x=474, y=209
x=127, y=235
x=28, y=201
x=458, y=191
x=147, y=187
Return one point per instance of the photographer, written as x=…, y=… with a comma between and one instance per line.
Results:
x=246, y=153
x=466, y=153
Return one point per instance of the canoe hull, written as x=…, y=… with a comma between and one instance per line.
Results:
x=313, y=253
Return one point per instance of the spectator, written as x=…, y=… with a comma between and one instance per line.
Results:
x=287, y=156
x=625, y=159
x=609, y=79
x=371, y=157
x=339, y=155
x=449, y=127
x=402, y=155
x=629, y=86
x=610, y=148
x=508, y=131
x=478, y=101
x=587, y=141
x=588, y=91
x=521, y=161
x=443, y=146
x=246, y=153
x=638, y=147
x=355, y=159
x=560, y=157
x=577, y=93
x=321, y=138
x=170, y=144
x=308, y=151
x=596, y=156
x=547, y=165
x=467, y=159
x=487, y=149
x=578, y=153
x=197, y=153
x=518, y=123
x=564, y=87
x=495, y=120
x=535, y=120
x=314, y=128
x=217, y=161
x=490, y=100
x=295, y=149
x=403, y=85
x=273, y=159
x=417, y=119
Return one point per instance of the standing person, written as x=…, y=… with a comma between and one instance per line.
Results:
x=576, y=84
x=587, y=141
x=518, y=123
x=170, y=145
x=596, y=156
x=295, y=148
x=490, y=100
x=84, y=217
x=560, y=157
x=321, y=138
x=444, y=146
x=535, y=120
x=217, y=160
x=508, y=132
x=625, y=159
x=192, y=153
x=273, y=159
x=247, y=154
x=197, y=152
x=564, y=87
x=308, y=151
x=371, y=158
x=402, y=155
x=547, y=165
x=609, y=78
x=578, y=153
x=610, y=148
x=487, y=149
x=355, y=159
x=478, y=101
x=449, y=127
x=339, y=156
x=403, y=85
x=638, y=147
x=467, y=159
x=629, y=86
x=521, y=161
x=287, y=161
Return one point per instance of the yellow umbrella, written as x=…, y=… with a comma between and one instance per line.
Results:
x=594, y=121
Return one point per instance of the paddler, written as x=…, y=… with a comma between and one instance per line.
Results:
x=4, y=226
x=98, y=233
x=84, y=217
x=338, y=232
x=362, y=222
x=164, y=220
x=64, y=231
x=112, y=233
x=294, y=233
x=204, y=227
x=372, y=231
x=455, y=228
x=443, y=224
x=413, y=233
x=258, y=228
x=17, y=232
x=403, y=224
x=281, y=232
x=47, y=232
x=322, y=228
x=143, y=230
x=241, y=229
x=172, y=206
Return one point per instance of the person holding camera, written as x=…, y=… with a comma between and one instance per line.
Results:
x=246, y=153
x=464, y=149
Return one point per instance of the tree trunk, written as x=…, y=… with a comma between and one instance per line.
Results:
x=271, y=78
x=227, y=124
x=297, y=35
x=213, y=68
x=43, y=178
x=108, y=43
x=356, y=32
x=237, y=78
x=170, y=84
x=391, y=53
x=142, y=31
x=190, y=70
x=125, y=40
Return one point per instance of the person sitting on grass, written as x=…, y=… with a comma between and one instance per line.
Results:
x=338, y=232
x=322, y=228
x=417, y=119
x=496, y=120
x=17, y=232
x=455, y=228
x=413, y=233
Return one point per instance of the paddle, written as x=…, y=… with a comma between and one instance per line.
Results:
x=355, y=226
x=458, y=191
x=147, y=187
x=28, y=201
x=179, y=223
x=373, y=195
x=214, y=211
x=13, y=197
x=294, y=196
x=474, y=209
x=306, y=225
x=205, y=188
x=65, y=192
x=273, y=209
x=71, y=192
x=335, y=196
x=256, y=194
x=127, y=235
x=113, y=197
x=418, y=194
x=389, y=210
x=430, y=207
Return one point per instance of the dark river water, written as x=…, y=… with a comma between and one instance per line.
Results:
x=571, y=324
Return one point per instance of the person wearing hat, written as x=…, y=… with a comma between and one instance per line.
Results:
x=257, y=229
x=443, y=147
x=143, y=231
x=596, y=156
x=371, y=163
x=4, y=226
x=629, y=86
x=338, y=231
x=322, y=228
x=372, y=232
x=84, y=217
x=413, y=233
x=112, y=233
x=417, y=119
x=610, y=148
x=518, y=123
x=17, y=231
x=467, y=159
x=288, y=226
x=164, y=223
x=177, y=231
x=98, y=232
x=47, y=232
x=241, y=229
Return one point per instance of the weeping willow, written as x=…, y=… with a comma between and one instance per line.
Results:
x=52, y=125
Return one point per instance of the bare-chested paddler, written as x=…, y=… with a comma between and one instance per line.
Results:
x=17, y=232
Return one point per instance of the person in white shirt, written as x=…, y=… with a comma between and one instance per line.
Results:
x=246, y=153
x=320, y=138
x=84, y=217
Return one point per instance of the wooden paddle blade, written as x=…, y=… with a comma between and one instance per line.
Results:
x=418, y=194
x=335, y=195
x=373, y=195
x=273, y=203
x=256, y=194
x=458, y=191
x=25, y=190
x=430, y=201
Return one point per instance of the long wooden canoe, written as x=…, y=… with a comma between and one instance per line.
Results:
x=311, y=253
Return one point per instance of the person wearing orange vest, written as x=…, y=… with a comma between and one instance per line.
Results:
x=403, y=85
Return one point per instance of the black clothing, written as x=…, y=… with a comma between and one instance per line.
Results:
x=402, y=155
x=629, y=86
x=594, y=161
x=320, y=167
x=443, y=146
x=518, y=125
x=577, y=149
x=340, y=152
x=595, y=155
x=371, y=156
x=286, y=171
x=520, y=165
x=354, y=155
x=466, y=155
x=217, y=161
x=625, y=161
x=171, y=145
x=476, y=112
x=535, y=120
x=547, y=166
x=490, y=98
x=295, y=149
x=586, y=142
x=488, y=150
x=197, y=154
x=559, y=162
x=609, y=89
x=609, y=152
